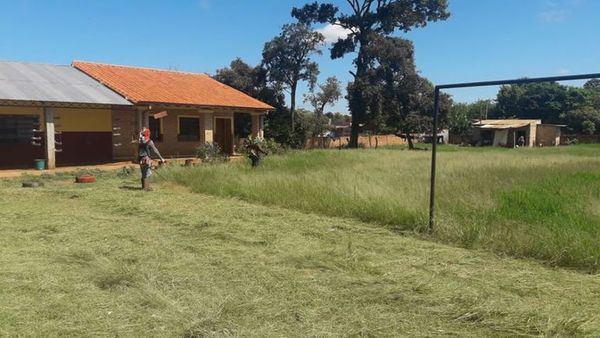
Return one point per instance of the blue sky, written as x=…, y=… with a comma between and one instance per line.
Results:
x=483, y=39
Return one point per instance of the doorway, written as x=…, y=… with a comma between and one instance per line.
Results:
x=224, y=134
x=523, y=134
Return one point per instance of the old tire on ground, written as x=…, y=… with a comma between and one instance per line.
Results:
x=85, y=179
x=32, y=184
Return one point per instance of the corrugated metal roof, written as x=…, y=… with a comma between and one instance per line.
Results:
x=505, y=124
x=20, y=81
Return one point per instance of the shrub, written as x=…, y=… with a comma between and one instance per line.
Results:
x=268, y=145
x=572, y=141
x=210, y=153
x=588, y=127
x=272, y=147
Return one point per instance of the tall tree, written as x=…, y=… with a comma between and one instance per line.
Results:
x=397, y=98
x=584, y=120
x=329, y=92
x=252, y=81
x=546, y=101
x=287, y=59
x=461, y=115
x=366, y=21
x=338, y=118
x=459, y=121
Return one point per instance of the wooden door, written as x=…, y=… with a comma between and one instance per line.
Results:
x=224, y=135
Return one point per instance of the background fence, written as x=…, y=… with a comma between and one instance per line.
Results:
x=367, y=141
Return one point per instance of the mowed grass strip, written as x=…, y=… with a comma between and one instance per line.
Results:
x=540, y=203
x=107, y=260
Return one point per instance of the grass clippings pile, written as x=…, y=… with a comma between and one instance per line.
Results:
x=105, y=259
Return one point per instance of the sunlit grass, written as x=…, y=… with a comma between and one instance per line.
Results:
x=524, y=202
x=108, y=260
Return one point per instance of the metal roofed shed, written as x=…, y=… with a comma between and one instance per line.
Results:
x=43, y=84
x=504, y=124
x=508, y=132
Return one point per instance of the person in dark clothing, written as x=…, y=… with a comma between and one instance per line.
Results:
x=254, y=152
x=521, y=141
x=145, y=149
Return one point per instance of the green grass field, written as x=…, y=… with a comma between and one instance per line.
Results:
x=108, y=260
x=293, y=249
x=541, y=203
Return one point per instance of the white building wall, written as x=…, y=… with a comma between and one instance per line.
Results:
x=500, y=137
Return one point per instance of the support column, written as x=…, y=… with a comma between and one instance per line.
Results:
x=141, y=119
x=533, y=135
x=261, y=124
x=50, y=138
x=207, y=128
x=138, y=121
x=146, y=119
x=257, y=126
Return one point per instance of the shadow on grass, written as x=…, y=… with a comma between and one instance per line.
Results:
x=131, y=188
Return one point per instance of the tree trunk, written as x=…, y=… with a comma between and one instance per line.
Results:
x=354, y=132
x=411, y=145
x=293, y=105
x=357, y=101
x=320, y=127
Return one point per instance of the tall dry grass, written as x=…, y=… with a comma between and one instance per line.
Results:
x=540, y=203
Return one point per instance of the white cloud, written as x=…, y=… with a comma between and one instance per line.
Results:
x=564, y=71
x=560, y=10
x=333, y=32
x=554, y=15
x=204, y=4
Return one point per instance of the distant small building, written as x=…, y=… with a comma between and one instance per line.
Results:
x=506, y=133
x=343, y=130
x=443, y=137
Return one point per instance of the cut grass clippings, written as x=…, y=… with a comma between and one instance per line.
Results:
x=107, y=260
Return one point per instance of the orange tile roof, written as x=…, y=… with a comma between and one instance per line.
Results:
x=145, y=85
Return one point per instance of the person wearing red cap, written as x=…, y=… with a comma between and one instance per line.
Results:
x=145, y=149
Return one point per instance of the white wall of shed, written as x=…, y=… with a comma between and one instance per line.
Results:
x=500, y=137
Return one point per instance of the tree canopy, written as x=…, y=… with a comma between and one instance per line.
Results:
x=397, y=98
x=592, y=84
x=329, y=92
x=252, y=81
x=548, y=101
x=287, y=59
x=462, y=114
x=368, y=21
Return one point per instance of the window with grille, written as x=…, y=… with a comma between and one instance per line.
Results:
x=189, y=129
x=17, y=129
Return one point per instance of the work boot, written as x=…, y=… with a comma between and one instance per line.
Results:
x=146, y=185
